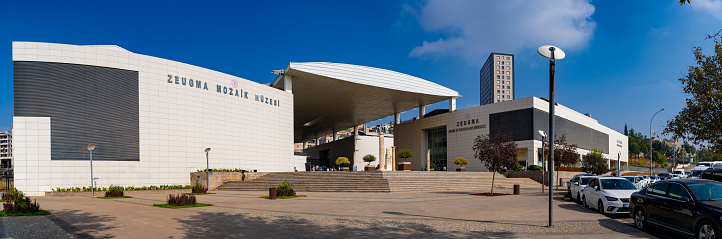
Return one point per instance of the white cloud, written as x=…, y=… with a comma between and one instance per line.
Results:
x=713, y=7
x=473, y=29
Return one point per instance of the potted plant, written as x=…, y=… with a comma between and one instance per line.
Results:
x=404, y=154
x=369, y=158
x=461, y=162
x=343, y=161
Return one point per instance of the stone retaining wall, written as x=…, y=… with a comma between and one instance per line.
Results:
x=218, y=178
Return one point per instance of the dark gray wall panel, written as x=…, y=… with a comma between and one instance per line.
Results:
x=87, y=104
x=525, y=123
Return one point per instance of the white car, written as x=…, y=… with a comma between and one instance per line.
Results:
x=647, y=180
x=608, y=194
x=576, y=186
x=638, y=181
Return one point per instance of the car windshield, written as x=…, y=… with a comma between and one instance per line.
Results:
x=617, y=184
x=706, y=191
x=585, y=180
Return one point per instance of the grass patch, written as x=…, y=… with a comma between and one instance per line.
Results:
x=39, y=213
x=284, y=197
x=115, y=197
x=171, y=206
x=197, y=193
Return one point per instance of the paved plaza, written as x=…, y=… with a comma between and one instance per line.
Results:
x=320, y=215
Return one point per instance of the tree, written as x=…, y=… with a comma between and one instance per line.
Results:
x=595, y=163
x=626, y=132
x=495, y=151
x=461, y=161
x=404, y=154
x=564, y=153
x=699, y=121
x=342, y=161
x=660, y=159
x=369, y=158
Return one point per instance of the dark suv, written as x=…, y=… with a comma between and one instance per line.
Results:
x=689, y=206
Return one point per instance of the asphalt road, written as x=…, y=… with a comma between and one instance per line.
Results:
x=658, y=232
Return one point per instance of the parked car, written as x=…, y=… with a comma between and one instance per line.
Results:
x=569, y=191
x=636, y=180
x=679, y=173
x=577, y=186
x=664, y=176
x=647, y=180
x=653, y=179
x=712, y=174
x=608, y=195
x=690, y=206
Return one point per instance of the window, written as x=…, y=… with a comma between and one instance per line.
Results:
x=497, y=76
x=497, y=91
x=507, y=82
x=497, y=82
x=508, y=58
x=677, y=191
x=502, y=82
x=659, y=189
x=593, y=183
x=497, y=67
x=497, y=72
x=497, y=86
x=497, y=57
x=510, y=98
x=501, y=62
x=507, y=73
x=497, y=62
x=508, y=87
x=502, y=67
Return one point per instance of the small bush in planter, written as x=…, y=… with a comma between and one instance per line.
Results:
x=342, y=161
x=518, y=167
x=12, y=195
x=181, y=200
x=369, y=158
x=114, y=192
x=285, y=189
x=198, y=188
x=461, y=162
x=534, y=168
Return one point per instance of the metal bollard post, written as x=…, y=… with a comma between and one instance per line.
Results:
x=517, y=189
x=272, y=193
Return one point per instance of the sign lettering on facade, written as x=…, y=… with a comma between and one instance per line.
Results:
x=226, y=90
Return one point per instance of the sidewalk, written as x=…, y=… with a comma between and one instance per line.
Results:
x=333, y=215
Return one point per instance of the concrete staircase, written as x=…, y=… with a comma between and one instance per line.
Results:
x=379, y=182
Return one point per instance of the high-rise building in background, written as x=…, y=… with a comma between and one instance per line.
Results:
x=497, y=78
x=6, y=151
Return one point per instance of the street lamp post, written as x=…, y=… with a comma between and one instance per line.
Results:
x=651, y=140
x=92, y=184
x=208, y=184
x=553, y=53
x=542, y=159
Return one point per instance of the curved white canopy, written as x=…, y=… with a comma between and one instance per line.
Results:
x=331, y=97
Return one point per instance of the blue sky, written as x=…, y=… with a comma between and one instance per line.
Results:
x=622, y=61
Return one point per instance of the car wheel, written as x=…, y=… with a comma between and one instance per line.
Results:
x=707, y=229
x=640, y=219
x=600, y=207
x=584, y=201
x=579, y=199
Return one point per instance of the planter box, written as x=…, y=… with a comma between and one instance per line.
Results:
x=345, y=169
x=461, y=169
x=370, y=168
x=404, y=166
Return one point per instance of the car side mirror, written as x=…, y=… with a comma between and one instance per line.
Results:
x=576, y=183
x=596, y=188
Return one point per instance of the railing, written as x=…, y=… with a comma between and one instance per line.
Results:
x=645, y=169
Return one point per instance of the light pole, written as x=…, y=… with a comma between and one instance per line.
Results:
x=92, y=185
x=553, y=53
x=208, y=185
x=651, y=140
x=542, y=159
x=619, y=164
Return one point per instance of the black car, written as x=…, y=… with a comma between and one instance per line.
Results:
x=664, y=176
x=712, y=174
x=689, y=206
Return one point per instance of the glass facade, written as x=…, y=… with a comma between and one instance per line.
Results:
x=437, y=145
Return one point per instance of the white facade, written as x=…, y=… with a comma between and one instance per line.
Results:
x=463, y=126
x=176, y=123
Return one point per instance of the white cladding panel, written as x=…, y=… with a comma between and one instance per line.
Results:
x=176, y=123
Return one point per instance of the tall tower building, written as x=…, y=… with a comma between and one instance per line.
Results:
x=497, y=78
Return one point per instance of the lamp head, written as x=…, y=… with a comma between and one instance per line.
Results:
x=208, y=150
x=542, y=133
x=551, y=52
x=91, y=146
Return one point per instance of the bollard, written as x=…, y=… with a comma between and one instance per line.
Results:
x=271, y=193
x=517, y=189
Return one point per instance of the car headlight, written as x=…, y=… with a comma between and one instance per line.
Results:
x=611, y=198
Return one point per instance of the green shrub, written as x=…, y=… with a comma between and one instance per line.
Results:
x=534, y=168
x=12, y=195
x=235, y=170
x=518, y=167
x=342, y=161
x=404, y=154
x=181, y=200
x=369, y=158
x=461, y=161
x=22, y=205
x=199, y=188
x=285, y=189
x=114, y=191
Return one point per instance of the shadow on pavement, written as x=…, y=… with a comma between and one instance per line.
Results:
x=82, y=224
x=224, y=225
x=456, y=219
x=621, y=227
